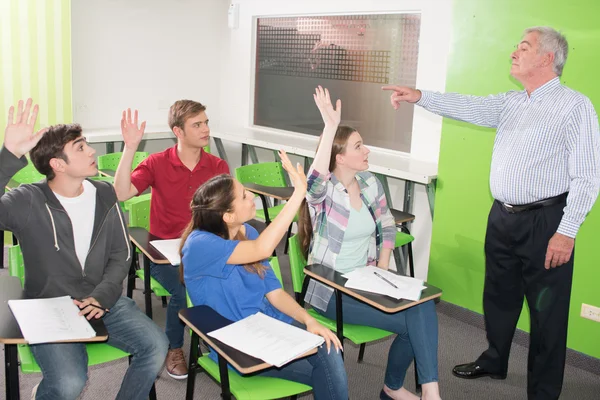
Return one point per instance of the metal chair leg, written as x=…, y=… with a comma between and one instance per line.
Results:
x=164, y=301
x=361, y=352
x=287, y=239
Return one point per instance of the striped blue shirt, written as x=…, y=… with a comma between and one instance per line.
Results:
x=546, y=144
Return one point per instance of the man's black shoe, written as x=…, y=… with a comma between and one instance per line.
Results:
x=473, y=371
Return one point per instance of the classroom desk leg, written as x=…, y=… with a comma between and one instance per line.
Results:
x=11, y=372
x=409, y=194
x=224, y=374
x=339, y=317
x=430, y=188
x=110, y=147
x=193, y=366
x=221, y=149
x=147, y=290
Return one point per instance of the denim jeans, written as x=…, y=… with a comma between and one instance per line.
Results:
x=168, y=276
x=417, y=337
x=64, y=365
x=324, y=372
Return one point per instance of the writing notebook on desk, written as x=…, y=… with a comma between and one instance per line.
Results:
x=269, y=339
x=169, y=249
x=55, y=319
x=376, y=280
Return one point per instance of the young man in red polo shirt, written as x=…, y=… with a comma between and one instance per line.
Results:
x=174, y=175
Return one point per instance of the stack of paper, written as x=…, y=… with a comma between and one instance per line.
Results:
x=50, y=320
x=377, y=280
x=169, y=249
x=269, y=339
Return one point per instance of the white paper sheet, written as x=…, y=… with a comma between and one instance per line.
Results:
x=169, y=249
x=50, y=320
x=365, y=279
x=269, y=339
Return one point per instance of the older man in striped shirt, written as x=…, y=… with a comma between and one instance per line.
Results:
x=545, y=176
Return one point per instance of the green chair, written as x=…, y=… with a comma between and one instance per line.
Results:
x=403, y=238
x=111, y=161
x=98, y=353
x=358, y=334
x=139, y=215
x=252, y=387
x=406, y=239
x=266, y=174
x=28, y=174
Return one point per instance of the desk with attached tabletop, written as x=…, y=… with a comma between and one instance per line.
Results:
x=202, y=320
x=141, y=239
x=335, y=280
x=11, y=336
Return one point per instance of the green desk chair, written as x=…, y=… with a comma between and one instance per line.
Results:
x=207, y=148
x=111, y=161
x=358, y=334
x=252, y=387
x=266, y=174
x=403, y=238
x=139, y=215
x=98, y=353
x=28, y=174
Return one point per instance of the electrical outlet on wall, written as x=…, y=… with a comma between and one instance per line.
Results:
x=590, y=312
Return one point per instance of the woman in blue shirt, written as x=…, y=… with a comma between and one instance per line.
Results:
x=223, y=266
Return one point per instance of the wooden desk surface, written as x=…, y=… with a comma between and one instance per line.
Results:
x=203, y=319
x=401, y=217
x=332, y=278
x=142, y=238
x=10, y=333
x=281, y=193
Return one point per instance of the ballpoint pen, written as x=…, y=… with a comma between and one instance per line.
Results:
x=106, y=310
x=380, y=276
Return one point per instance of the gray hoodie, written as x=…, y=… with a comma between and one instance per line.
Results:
x=44, y=230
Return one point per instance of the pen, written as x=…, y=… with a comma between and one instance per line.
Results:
x=106, y=310
x=380, y=276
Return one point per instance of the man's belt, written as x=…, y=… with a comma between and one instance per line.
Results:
x=513, y=209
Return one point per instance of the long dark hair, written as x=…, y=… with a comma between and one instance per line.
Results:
x=305, y=229
x=210, y=201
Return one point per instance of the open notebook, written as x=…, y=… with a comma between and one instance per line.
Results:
x=50, y=320
x=376, y=280
x=268, y=339
x=168, y=248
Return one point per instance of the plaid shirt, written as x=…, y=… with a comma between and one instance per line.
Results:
x=329, y=205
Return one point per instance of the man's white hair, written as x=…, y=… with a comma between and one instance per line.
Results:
x=552, y=41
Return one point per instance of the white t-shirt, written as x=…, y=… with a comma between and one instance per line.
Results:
x=81, y=211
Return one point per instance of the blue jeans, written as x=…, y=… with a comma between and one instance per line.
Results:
x=324, y=372
x=417, y=336
x=64, y=365
x=168, y=276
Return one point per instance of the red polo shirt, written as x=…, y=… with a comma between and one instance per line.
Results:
x=173, y=186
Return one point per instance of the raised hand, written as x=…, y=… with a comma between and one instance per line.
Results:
x=296, y=174
x=331, y=116
x=132, y=135
x=18, y=135
x=402, y=93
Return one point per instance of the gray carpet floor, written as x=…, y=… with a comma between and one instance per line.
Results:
x=458, y=342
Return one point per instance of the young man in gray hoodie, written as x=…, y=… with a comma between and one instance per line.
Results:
x=74, y=242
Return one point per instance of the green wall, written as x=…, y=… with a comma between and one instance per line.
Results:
x=35, y=58
x=484, y=34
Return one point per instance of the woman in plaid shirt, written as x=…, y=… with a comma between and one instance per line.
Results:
x=347, y=224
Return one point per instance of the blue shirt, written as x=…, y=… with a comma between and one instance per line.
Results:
x=546, y=144
x=228, y=289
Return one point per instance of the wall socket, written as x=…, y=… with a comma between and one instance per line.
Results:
x=590, y=312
